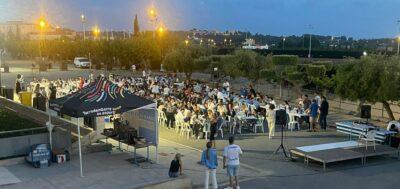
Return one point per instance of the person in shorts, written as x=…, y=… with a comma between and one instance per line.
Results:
x=231, y=162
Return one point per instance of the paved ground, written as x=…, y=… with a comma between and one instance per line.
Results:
x=276, y=172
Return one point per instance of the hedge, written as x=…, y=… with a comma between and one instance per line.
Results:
x=285, y=59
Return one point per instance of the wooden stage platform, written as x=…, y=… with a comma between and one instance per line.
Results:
x=335, y=152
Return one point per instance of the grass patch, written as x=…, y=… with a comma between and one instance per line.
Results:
x=11, y=121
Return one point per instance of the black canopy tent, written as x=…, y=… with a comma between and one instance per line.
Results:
x=101, y=98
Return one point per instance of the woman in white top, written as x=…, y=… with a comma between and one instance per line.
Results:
x=271, y=120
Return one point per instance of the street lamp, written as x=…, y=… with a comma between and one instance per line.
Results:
x=42, y=26
x=283, y=45
x=309, y=48
x=96, y=31
x=398, y=45
x=365, y=53
x=83, y=20
x=186, y=42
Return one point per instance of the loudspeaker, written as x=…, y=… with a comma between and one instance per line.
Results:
x=280, y=117
x=366, y=111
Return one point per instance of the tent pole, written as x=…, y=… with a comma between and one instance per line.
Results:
x=157, y=134
x=80, y=148
x=50, y=127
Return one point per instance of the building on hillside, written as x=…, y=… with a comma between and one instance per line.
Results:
x=24, y=30
x=251, y=44
x=18, y=29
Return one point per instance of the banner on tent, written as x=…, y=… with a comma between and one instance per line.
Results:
x=145, y=121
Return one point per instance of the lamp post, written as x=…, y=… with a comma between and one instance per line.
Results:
x=154, y=19
x=283, y=45
x=398, y=45
x=186, y=42
x=42, y=25
x=83, y=20
x=96, y=32
x=1, y=64
x=309, y=47
x=398, y=38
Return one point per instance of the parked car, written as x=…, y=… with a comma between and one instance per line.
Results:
x=82, y=62
x=39, y=155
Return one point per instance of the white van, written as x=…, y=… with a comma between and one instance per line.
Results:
x=81, y=62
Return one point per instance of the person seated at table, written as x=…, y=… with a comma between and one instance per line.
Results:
x=186, y=114
x=271, y=120
x=221, y=108
x=230, y=109
x=287, y=106
x=271, y=101
x=195, y=123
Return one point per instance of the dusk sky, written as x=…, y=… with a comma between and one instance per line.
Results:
x=354, y=18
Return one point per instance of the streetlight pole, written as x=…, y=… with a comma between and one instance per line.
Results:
x=83, y=20
x=283, y=41
x=309, y=47
x=398, y=38
x=1, y=64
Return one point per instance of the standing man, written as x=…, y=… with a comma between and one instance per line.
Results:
x=323, y=113
x=231, y=162
x=313, y=115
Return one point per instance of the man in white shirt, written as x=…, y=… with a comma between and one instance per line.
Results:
x=231, y=162
x=155, y=89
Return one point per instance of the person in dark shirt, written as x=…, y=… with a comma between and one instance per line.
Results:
x=176, y=167
x=323, y=113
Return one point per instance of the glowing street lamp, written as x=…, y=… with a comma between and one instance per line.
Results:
x=365, y=53
x=186, y=42
x=42, y=24
x=96, y=31
x=152, y=12
x=83, y=20
x=283, y=43
x=160, y=30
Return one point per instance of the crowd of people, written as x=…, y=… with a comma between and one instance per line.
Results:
x=206, y=109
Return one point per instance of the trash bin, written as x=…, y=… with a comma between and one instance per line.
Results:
x=26, y=98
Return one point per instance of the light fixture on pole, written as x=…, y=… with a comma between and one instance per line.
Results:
x=283, y=43
x=83, y=20
x=96, y=32
x=309, y=47
x=398, y=38
x=398, y=45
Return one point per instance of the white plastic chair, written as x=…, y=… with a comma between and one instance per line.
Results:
x=368, y=137
x=185, y=130
x=178, y=123
x=293, y=123
x=206, y=129
x=260, y=123
x=162, y=118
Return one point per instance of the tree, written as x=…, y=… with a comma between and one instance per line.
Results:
x=186, y=59
x=245, y=64
x=136, y=26
x=374, y=78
